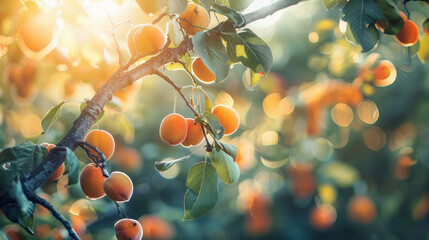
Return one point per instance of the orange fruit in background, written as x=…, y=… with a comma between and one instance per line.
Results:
x=155, y=227
x=322, y=217
x=361, y=209
x=195, y=133
x=36, y=29
x=384, y=73
x=314, y=113
x=91, y=181
x=103, y=140
x=228, y=118
x=127, y=158
x=145, y=39
x=194, y=19
x=128, y=229
x=409, y=35
x=173, y=129
x=57, y=174
x=118, y=187
x=201, y=71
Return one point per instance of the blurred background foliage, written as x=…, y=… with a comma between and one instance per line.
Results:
x=325, y=151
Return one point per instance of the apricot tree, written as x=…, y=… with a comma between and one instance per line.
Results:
x=205, y=51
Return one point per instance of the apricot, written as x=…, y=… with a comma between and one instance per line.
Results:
x=314, y=113
x=57, y=174
x=384, y=73
x=323, y=217
x=194, y=19
x=43, y=231
x=361, y=209
x=91, y=180
x=173, y=129
x=103, y=140
x=127, y=158
x=12, y=231
x=195, y=133
x=409, y=34
x=48, y=146
x=155, y=227
x=145, y=39
x=151, y=6
x=228, y=118
x=403, y=167
x=128, y=229
x=259, y=224
x=118, y=187
x=379, y=24
x=201, y=71
x=36, y=30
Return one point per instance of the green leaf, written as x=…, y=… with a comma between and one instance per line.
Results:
x=213, y=125
x=426, y=26
x=115, y=104
x=249, y=49
x=231, y=14
x=423, y=52
x=209, y=47
x=23, y=158
x=202, y=193
x=83, y=106
x=239, y=4
x=71, y=164
x=392, y=15
x=251, y=79
x=330, y=4
x=229, y=149
x=226, y=168
x=51, y=116
x=208, y=103
x=206, y=3
x=361, y=15
x=165, y=165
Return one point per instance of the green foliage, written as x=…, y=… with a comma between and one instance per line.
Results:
x=165, y=165
x=330, y=4
x=211, y=50
x=233, y=16
x=361, y=16
x=202, y=193
x=51, y=116
x=392, y=16
x=71, y=164
x=212, y=125
x=226, y=168
x=246, y=47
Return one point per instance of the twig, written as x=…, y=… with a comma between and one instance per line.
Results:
x=36, y=199
x=121, y=211
x=178, y=89
x=102, y=166
x=209, y=146
x=157, y=19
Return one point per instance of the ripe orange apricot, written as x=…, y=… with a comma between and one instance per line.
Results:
x=259, y=224
x=150, y=6
x=127, y=158
x=384, y=73
x=173, y=129
x=128, y=229
x=155, y=227
x=403, y=166
x=36, y=30
x=147, y=39
x=118, y=187
x=42, y=231
x=57, y=174
x=409, y=35
x=195, y=133
x=361, y=209
x=323, y=217
x=91, y=180
x=228, y=118
x=103, y=140
x=194, y=19
x=201, y=71
x=48, y=146
x=12, y=231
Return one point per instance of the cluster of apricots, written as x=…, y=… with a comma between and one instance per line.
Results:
x=175, y=129
x=117, y=186
x=258, y=219
x=20, y=77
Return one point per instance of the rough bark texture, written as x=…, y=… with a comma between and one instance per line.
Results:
x=104, y=94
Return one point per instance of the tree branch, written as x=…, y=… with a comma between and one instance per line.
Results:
x=120, y=79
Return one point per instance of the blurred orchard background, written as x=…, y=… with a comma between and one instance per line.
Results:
x=325, y=151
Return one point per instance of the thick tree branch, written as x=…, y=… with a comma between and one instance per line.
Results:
x=120, y=79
